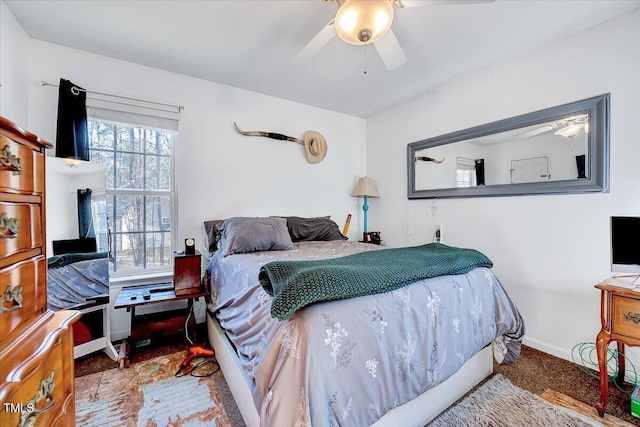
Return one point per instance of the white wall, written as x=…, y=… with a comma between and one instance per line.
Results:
x=549, y=251
x=14, y=44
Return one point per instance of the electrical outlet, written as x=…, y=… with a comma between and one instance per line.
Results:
x=438, y=234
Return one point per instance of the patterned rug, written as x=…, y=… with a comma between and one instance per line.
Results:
x=499, y=403
x=147, y=394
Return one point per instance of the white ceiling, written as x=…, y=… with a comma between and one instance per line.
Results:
x=249, y=44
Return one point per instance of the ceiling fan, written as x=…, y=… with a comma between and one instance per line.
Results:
x=567, y=127
x=361, y=22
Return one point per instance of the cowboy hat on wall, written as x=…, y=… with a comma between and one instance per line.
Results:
x=315, y=146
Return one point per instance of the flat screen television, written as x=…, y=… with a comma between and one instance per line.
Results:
x=625, y=244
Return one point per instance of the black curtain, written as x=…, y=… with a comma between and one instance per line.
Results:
x=580, y=163
x=72, y=137
x=479, y=171
x=85, y=219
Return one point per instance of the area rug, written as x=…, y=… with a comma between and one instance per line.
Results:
x=148, y=394
x=499, y=403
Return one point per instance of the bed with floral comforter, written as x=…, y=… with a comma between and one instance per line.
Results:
x=348, y=362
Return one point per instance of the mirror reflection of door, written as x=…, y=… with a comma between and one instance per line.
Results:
x=534, y=169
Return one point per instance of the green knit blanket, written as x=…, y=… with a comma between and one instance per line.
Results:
x=296, y=284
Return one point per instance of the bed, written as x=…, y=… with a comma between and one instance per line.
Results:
x=75, y=280
x=80, y=281
x=391, y=358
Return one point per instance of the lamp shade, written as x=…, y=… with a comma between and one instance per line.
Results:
x=365, y=187
x=363, y=21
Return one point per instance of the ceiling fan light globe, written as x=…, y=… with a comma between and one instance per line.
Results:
x=356, y=19
x=571, y=130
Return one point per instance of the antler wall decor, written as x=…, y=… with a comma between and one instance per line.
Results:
x=314, y=143
x=429, y=159
x=271, y=135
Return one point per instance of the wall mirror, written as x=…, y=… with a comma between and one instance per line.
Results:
x=77, y=250
x=76, y=203
x=564, y=149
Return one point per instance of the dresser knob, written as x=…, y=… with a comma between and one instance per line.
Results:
x=8, y=226
x=9, y=161
x=632, y=317
x=13, y=296
x=45, y=394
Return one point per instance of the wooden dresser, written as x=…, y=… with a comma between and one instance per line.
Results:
x=620, y=317
x=36, y=344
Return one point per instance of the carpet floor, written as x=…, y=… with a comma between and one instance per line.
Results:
x=534, y=371
x=498, y=403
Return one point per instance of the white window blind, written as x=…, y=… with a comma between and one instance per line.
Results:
x=157, y=117
x=465, y=164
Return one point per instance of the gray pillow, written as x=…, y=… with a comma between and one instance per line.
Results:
x=240, y=235
x=210, y=230
x=310, y=229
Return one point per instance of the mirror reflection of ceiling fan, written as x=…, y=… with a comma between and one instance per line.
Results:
x=361, y=22
x=568, y=127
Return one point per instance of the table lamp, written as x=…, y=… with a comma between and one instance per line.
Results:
x=365, y=188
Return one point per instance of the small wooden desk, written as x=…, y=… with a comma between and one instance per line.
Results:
x=620, y=317
x=158, y=324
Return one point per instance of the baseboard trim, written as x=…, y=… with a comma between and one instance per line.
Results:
x=546, y=348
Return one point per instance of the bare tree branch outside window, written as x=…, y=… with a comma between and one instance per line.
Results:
x=138, y=166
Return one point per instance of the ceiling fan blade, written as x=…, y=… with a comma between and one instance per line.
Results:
x=390, y=51
x=318, y=42
x=534, y=132
x=414, y=3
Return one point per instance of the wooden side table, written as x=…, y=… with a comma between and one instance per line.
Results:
x=620, y=317
x=186, y=273
x=148, y=325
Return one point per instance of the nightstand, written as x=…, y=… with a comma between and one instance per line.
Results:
x=620, y=317
x=186, y=273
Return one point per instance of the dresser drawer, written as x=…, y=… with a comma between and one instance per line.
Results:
x=20, y=228
x=626, y=312
x=21, y=168
x=41, y=381
x=24, y=285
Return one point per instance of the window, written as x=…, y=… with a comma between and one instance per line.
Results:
x=138, y=158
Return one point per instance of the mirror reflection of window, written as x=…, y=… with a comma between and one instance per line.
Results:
x=465, y=172
x=99, y=213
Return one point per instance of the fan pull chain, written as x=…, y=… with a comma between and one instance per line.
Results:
x=365, y=58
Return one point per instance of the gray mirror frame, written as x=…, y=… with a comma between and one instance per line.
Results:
x=598, y=167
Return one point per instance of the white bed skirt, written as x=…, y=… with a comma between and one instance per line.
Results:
x=417, y=412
